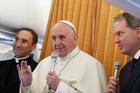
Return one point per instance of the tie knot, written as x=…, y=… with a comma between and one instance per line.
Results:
x=134, y=60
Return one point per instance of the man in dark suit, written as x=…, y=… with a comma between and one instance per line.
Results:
x=127, y=37
x=25, y=42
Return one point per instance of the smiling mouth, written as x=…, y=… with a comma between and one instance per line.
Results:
x=58, y=48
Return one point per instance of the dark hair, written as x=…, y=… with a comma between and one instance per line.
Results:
x=35, y=36
x=131, y=20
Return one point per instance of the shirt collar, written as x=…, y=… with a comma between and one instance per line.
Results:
x=137, y=55
x=17, y=59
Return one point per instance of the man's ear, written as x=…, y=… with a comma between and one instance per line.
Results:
x=34, y=46
x=138, y=31
x=76, y=36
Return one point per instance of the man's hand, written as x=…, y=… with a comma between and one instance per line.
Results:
x=113, y=85
x=52, y=80
x=25, y=73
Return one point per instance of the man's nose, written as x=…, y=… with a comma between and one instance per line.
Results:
x=57, y=41
x=116, y=40
x=18, y=43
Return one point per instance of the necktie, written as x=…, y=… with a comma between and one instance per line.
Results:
x=129, y=74
x=130, y=69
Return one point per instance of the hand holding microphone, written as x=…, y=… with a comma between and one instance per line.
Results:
x=52, y=80
x=113, y=85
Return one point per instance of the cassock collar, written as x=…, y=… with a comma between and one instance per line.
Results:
x=75, y=51
x=19, y=59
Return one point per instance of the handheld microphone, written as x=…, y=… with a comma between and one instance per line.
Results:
x=54, y=57
x=116, y=68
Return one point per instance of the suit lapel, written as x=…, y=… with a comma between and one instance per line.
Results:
x=136, y=74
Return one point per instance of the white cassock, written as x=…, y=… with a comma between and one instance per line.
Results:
x=78, y=72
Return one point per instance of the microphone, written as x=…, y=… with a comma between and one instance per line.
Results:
x=54, y=57
x=117, y=66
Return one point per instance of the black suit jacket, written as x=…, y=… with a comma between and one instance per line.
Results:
x=9, y=79
x=133, y=85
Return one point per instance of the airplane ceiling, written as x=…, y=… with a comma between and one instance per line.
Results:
x=24, y=13
x=130, y=6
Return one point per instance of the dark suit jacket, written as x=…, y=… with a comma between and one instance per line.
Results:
x=133, y=85
x=9, y=79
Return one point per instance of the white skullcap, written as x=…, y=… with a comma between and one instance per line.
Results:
x=68, y=23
